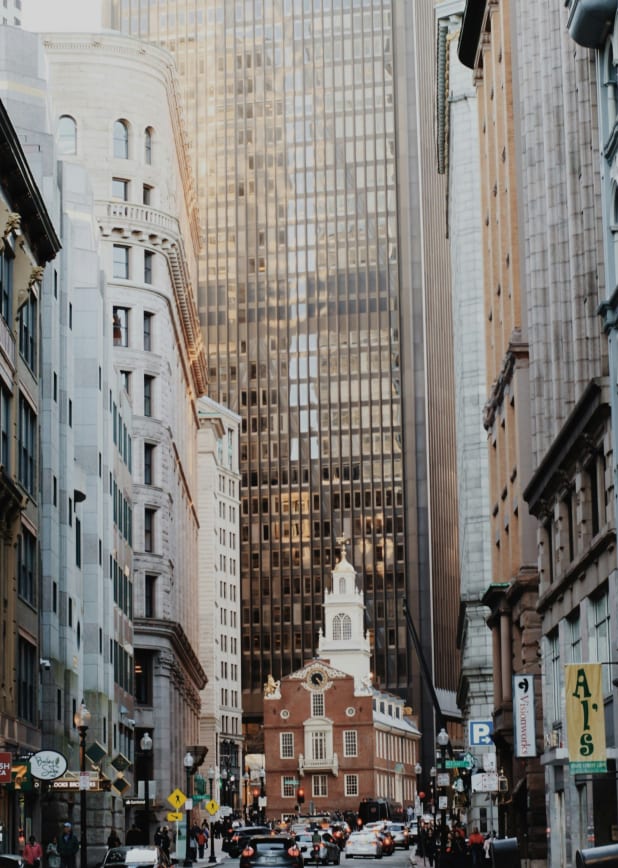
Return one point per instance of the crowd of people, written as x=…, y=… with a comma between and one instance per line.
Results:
x=453, y=848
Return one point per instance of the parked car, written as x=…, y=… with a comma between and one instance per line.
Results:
x=11, y=860
x=271, y=851
x=328, y=850
x=365, y=844
x=236, y=842
x=129, y=856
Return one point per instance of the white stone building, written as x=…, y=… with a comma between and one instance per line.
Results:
x=130, y=140
x=219, y=598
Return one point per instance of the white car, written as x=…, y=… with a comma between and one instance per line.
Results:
x=366, y=844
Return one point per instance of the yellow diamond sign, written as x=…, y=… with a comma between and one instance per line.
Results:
x=177, y=798
x=174, y=817
x=212, y=807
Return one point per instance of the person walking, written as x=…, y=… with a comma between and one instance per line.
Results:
x=112, y=839
x=68, y=845
x=33, y=853
x=477, y=841
x=52, y=854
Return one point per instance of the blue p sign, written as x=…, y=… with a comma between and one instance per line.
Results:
x=480, y=732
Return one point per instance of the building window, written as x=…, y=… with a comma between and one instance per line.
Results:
x=27, y=445
x=351, y=785
x=575, y=638
x=599, y=642
x=317, y=705
x=143, y=678
x=318, y=745
x=148, y=318
x=148, y=146
x=27, y=566
x=286, y=745
x=554, y=677
x=149, y=529
x=288, y=787
x=148, y=263
x=28, y=319
x=125, y=378
x=121, y=326
x=350, y=744
x=121, y=140
x=148, y=389
x=319, y=785
x=147, y=194
x=67, y=135
x=150, y=596
x=121, y=262
x=5, y=428
x=6, y=284
x=120, y=189
x=342, y=627
x=26, y=675
x=148, y=463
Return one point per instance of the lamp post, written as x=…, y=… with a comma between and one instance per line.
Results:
x=188, y=764
x=232, y=791
x=224, y=786
x=443, y=740
x=245, y=779
x=145, y=745
x=211, y=780
x=263, y=795
x=81, y=719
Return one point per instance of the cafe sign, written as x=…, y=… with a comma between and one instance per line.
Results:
x=47, y=765
x=585, y=717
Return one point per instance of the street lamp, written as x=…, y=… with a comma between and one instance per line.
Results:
x=263, y=795
x=224, y=786
x=145, y=745
x=81, y=719
x=188, y=764
x=211, y=780
x=443, y=740
x=245, y=779
x=232, y=791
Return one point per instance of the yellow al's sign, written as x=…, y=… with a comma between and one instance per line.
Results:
x=585, y=718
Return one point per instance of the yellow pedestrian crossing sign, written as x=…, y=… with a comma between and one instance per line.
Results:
x=177, y=798
x=212, y=807
x=174, y=817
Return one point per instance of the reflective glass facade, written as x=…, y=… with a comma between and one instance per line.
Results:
x=291, y=110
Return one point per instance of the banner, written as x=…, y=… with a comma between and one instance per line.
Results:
x=585, y=717
x=524, y=720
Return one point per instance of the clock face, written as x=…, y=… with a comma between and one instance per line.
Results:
x=316, y=679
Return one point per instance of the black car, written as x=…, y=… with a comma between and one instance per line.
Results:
x=233, y=844
x=271, y=851
x=322, y=852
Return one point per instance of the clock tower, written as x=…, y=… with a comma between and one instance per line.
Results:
x=344, y=642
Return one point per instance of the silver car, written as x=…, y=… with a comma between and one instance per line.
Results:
x=363, y=844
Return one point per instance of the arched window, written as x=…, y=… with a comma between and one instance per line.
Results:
x=148, y=146
x=121, y=140
x=342, y=627
x=342, y=584
x=67, y=135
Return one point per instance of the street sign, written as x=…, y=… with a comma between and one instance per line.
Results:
x=212, y=807
x=443, y=779
x=457, y=764
x=470, y=759
x=177, y=798
x=485, y=782
x=174, y=817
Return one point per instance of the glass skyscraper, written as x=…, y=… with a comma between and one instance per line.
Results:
x=292, y=111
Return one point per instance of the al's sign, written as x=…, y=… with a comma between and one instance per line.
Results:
x=585, y=718
x=523, y=715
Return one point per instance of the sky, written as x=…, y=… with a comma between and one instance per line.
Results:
x=46, y=15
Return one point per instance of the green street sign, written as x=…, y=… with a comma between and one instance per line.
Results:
x=457, y=764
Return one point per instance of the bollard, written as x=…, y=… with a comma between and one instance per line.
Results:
x=505, y=853
x=606, y=856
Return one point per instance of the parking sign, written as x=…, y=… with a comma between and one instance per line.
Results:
x=479, y=732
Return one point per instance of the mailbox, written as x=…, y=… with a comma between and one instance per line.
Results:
x=505, y=853
x=606, y=856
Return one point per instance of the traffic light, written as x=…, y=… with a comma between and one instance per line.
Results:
x=300, y=795
x=256, y=793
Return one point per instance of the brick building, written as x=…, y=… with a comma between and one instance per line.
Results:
x=327, y=730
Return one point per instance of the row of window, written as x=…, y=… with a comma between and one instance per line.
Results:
x=123, y=269
x=319, y=741
x=123, y=321
x=122, y=143
x=319, y=785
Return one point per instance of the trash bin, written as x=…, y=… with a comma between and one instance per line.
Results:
x=606, y=856
x=505, y=853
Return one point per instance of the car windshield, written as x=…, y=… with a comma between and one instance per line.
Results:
x=133, y=856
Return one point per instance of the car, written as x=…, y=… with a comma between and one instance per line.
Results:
x=381, y=829
x=365, y=844
x=233, y=844
x=328, y=850
x=11, y=860
x=131, y=856
x=401, y=835
x=268, y=851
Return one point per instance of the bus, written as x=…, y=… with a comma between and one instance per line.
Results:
x=374, y=810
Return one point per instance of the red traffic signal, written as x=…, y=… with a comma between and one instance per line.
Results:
x=300, y=795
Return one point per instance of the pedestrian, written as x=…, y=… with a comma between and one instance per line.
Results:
x=202, y=840
x=477, y=841
x=134, y=835
x=68, y=845
x=112, y=839
x=53, y=856
x=33, y=853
